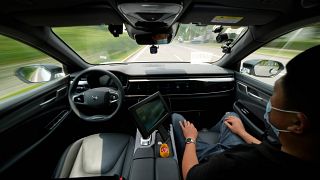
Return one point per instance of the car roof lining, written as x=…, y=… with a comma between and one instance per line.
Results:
x=90, y=12
x=77, y=17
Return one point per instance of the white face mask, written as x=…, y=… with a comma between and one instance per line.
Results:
x=266, y=117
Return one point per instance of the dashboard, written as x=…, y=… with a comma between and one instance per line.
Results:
x=171, y=79
x=187, y=88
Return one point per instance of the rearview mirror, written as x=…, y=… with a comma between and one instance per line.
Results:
x=39, y=73
x=262, y=68
x=153, y=39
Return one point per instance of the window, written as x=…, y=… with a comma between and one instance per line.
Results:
x=192, y=43
x=280, y=50
x=23, y=68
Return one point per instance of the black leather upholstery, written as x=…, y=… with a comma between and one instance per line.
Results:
x=106, y=154
x=208, y=137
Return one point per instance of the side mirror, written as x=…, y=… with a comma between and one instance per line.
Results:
x=262, y=68
x=37, y=73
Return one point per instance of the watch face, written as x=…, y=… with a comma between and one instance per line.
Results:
x=189, y=140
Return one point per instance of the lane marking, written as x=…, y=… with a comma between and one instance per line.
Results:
x=178, y=57
x=197, y=50
x=137, y=55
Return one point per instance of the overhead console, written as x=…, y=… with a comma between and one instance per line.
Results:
x=147, y=15
x=151, y=22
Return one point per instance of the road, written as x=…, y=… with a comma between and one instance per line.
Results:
x=178, y=52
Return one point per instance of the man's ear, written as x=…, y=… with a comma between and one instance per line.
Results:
x=301, y=124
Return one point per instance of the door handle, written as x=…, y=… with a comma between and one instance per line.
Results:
x=48, y=101
x=255, y=96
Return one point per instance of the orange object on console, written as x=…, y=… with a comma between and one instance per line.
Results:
x=164, y=150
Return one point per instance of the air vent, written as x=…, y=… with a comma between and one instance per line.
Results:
x=177, y=87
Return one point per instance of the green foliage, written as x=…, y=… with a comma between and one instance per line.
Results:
x=91, y=42
x=294, y=45
x=284, y=53
x=27, y=71
x=6, y=96
x=190, y=31
x=13, y=52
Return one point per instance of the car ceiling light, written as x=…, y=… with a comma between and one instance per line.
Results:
x=144, y=13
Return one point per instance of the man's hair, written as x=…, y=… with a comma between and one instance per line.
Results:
x=301, y=82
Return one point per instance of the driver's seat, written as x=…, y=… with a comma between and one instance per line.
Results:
x=105, y=154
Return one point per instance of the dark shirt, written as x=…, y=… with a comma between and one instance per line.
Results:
x=252, y=161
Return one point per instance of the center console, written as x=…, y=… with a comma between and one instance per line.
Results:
x=147, y=162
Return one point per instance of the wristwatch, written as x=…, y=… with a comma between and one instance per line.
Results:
x=190, y=140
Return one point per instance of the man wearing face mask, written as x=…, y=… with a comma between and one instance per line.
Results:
x=292, y=113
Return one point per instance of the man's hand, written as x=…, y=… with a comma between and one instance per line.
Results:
x=235, y=125
x=188, y=129
x=189, y=156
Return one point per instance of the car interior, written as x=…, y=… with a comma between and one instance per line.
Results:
x=89, y=119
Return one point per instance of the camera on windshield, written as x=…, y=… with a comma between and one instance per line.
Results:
x=154, y=49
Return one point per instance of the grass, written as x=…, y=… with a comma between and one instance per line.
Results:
x=14, y=52
x=91, y=40
x=21, y=91
x=84, y=40
x=300, y=45
x=284, y=53
x=27, y=71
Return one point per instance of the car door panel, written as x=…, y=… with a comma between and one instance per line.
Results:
x=29, y=119
x=251, y=99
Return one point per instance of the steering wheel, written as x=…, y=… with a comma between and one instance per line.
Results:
x=101, y=97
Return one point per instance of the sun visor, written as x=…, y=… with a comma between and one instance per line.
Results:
x=70, y=17
x=206, y=14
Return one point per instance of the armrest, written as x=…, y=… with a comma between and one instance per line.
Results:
x=167, y=168
x=142, y=169
x=142, y=153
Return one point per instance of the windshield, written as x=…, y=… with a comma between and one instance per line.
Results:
x=194, y=44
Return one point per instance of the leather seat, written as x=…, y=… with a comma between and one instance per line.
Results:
x=106, y=154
